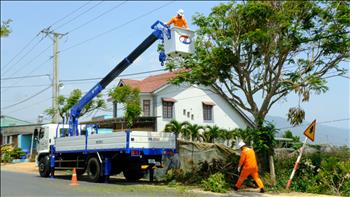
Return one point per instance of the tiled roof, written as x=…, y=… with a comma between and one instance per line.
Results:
x=151, y=83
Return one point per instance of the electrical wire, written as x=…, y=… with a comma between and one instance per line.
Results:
x=25, y=86
x=16, y=82
x=116, y=27
x=29, y=106
x=54, y=23
x=125, y=75
x=27, y=99
x=29, y=51
x=321, y=122
x=64, y=24
x=4, y=69
x=17, y=54
x=97, y=17
x=23, y=77
x=37, y=56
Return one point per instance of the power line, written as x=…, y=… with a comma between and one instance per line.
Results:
x=5, y=71
x=5, y=67
x=116, y=27
x=79, y=15
x=328, y=121
x=29, y=106
x=69, y=14
x=25, y=86
x=23, y=77
x=16, y=82
x=27, y=99
x=17, y=54
x=125, y=75
x=95, y=18
x=21, y=68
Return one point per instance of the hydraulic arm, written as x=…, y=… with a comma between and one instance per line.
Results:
x=158, y=33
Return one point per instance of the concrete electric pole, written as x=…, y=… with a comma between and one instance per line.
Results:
x=55, y=80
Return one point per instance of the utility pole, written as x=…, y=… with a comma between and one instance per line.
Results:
x=55, y=82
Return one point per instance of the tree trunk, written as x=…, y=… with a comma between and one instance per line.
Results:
x=272, y=170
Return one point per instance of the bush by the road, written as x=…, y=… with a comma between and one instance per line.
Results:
x=215, y=183
x=320, y=172
x=9, y=152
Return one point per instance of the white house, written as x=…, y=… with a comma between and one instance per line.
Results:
x=196, y=104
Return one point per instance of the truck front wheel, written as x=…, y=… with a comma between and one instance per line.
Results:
x=44, y=166
x=94, y=170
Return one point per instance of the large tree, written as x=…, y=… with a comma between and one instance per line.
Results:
x=256, y=53
x=66, y=103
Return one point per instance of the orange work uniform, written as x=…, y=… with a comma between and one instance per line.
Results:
x=249, y=167
x=178, y=22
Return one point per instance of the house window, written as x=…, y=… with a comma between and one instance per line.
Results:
x=184, y=112
x=146, y=107
x=168, y=109
x=188, y=114
x=192, y=117
x=207, y=111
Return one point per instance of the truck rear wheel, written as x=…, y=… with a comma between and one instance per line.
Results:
x=44, y=166
x=133, y=173
x=94, y=170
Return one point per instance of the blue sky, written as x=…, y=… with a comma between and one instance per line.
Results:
x=108, y=39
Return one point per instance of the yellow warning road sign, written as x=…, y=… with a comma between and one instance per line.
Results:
x=310, y=131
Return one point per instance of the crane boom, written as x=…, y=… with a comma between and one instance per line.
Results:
x=76, y=109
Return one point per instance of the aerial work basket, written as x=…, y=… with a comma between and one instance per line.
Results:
x=180, y=44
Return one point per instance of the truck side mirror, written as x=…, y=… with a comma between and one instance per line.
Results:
x=36, y=133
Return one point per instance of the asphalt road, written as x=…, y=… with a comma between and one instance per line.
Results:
x=29, y=184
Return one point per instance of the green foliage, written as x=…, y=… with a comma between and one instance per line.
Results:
x=289, y=134
x=175, y=127
x=320, y=172
x=296, y=115
x=296, y=144
x=66, y=103
x=5, y=28
x=8, y=153
x=265, y=50
x=215, y=183
x=131, y=98
x=211, y=133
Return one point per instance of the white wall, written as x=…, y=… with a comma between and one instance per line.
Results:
x=190, y=98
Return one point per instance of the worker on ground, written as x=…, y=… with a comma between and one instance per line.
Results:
x=178, y=20
x=249, y=166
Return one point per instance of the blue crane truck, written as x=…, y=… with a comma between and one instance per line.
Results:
x=64, y=147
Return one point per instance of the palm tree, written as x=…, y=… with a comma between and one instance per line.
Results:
x=229, y=136
x=192, y=131
x=175, y=127
x=211, y=133
x=205, y=136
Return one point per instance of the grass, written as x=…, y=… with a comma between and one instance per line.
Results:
x=176, y=189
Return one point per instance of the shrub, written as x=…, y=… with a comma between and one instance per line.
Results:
x=320, y=172
x=215, y=183
x=8, y=153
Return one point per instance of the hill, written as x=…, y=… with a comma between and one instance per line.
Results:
x=324, y=134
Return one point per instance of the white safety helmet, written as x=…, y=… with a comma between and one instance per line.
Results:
x=241, y=144
x=180, y=12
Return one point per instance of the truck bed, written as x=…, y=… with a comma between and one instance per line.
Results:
x=148, y=142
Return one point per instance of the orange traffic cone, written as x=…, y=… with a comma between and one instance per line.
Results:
x=74, y=178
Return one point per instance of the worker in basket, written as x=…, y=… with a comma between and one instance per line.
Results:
x=178, y=20
x=249, y=166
